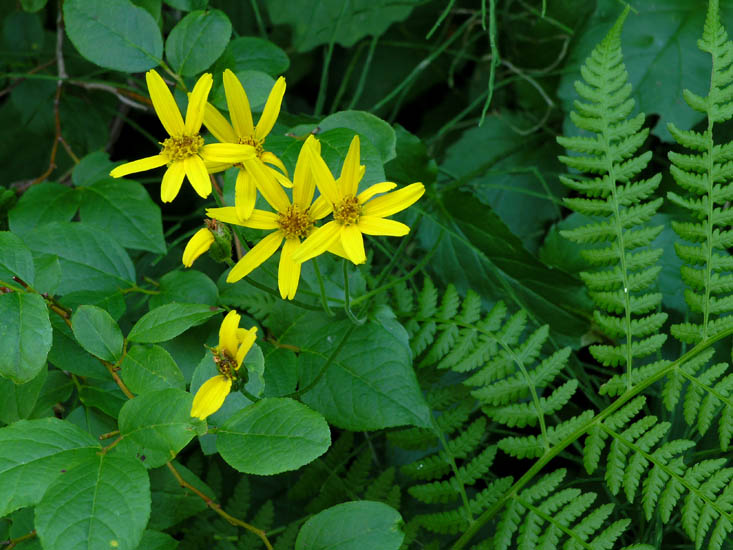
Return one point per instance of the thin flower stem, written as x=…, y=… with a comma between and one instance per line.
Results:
x=258, y=18
x=217, y=508
x=364, y=73
x=347, y=299
x=10, y=543
x=109, y=434
x=112, y=445
x=321, y=99
x=324, y=298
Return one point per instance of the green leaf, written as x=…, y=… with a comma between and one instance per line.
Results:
x=316, y=22
x=370, y=384
x=33, y=5
x=272, y=436
x=19, y=400
x=171, y=502
x=168, y=321
x=105, y=502
x=197, y=41
x=16, y=259
x=187, y=5
x=92, y=168
x=155, y=540
x=412, y=162
x=67, y=355
x=41, y=204
x=190, y=287
x=25, y=336
x=124, y=208
x=114, y=34
x=89, y=258
x=368, y=126
x=353, y=526
x=112, y=302
x=156, y=425
x=97, y=332
x=249, y=53
x=150, y=368
x=56, y=389
x=23, y=32
x=33, y=453
x=48, y=272
x=103, y=395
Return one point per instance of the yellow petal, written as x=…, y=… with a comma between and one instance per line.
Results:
x=226, y=214
x=197, y=245
x=215, y=167
x=304, y=186
x=211, y=396
x=320, y=208
x=197, y=104
x=239, y=109
x=353, y=243
x=232, y=153
x=337, y=248
x=272, y=109
x=228, y=333
x=246, y=339
x=218, y=125
x=350, y=169
x=375, y=189
x=172, y=180
x=281, y=178
x=288, y=273
x=371, y=225
x=197, y=175
x=271, y=158
x=164, y=104
x=148, y=163
x=245, y=195
x=265, y=182
x=388, y=204
x=261, y=219
x=324, y=179
x=317, y=242
x=256, y=256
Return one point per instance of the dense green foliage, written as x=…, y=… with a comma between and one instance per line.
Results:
x=534, y=355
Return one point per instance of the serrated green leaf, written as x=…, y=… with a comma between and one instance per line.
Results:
x=168, y=321
x=114, y=34
x=150, y=368
x=92, y=168
x=97, y=332
x=249, y=53
x=20, y=399
x=105, y=502
x=25, y=336
x=197, y=41
x=352, y=526
x=189, y=287
x=16, y=259
x=41, y=204
x=272, y=436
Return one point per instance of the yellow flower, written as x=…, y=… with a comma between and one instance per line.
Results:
x=291, y=222
x=354, y=214
x=242, y=130
x=184, y=151
x=197, y=245
x=234, y=344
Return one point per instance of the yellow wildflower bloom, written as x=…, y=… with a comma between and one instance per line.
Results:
x=291, y=222
x=242, y=130
x=184, y=151
x=197, y=245
x=354, y=214
x=234, y=344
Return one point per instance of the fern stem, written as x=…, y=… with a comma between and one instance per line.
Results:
x=456, y=472
x=549, y=519
x=578, y=433
x=709, y=224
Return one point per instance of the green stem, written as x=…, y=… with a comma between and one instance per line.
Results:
x=364, y=73
x=321, y=99
x=258, y=18
x=322, y=287
x=347, y=298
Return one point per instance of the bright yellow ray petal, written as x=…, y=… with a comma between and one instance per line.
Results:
x=272, y=158
x=211, y=396
x=281, y=178
x=337, y=248
x=226, y=214
x=353, y=243
x=288, y=272
x=172, y=180
x=246, y=340
x=304, y=186
x=232, y=153
x=320, y=208
x=350, y=170
x=197, y=104
x=228, y=333
x=265, y=182
x=375, y=189
x=218, y=125
x=317, y=242
x=256, y=256
x=197, y=245
x=388, y=204
x=239, y=109
x=215, y=167
x=324, y=179
x=271, y=110
x=261, y=219
x=164, y=104
x=148, y=163
x=371, y=225
x=197, y=175
x=245, y=195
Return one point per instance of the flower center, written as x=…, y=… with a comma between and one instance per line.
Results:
x=295, y=223
x=226, y=365
x=347, y=211
x=180, y=148
x=256, y=143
